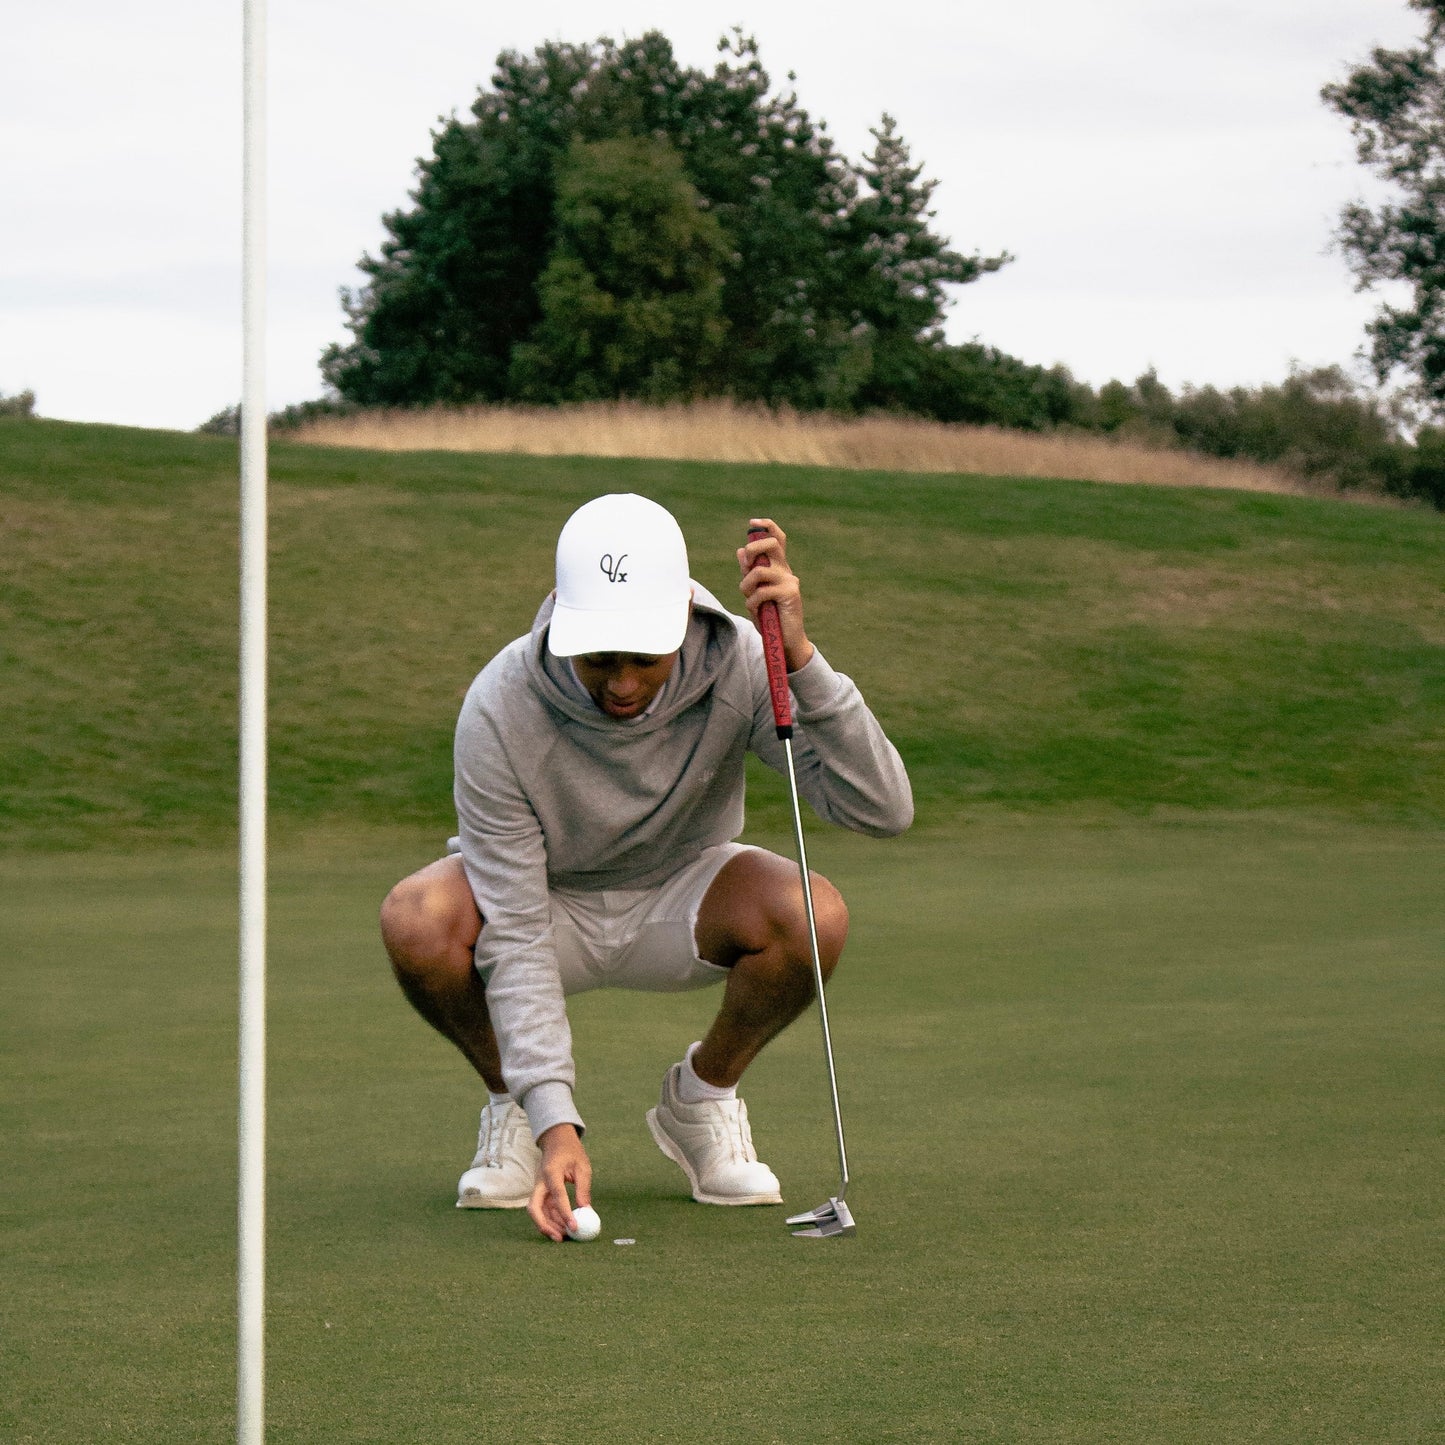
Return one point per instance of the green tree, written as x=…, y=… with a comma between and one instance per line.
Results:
x=1395, y=105
x=21, y=404
x=631, y=296
x=454, y=287
x=901, y=268
x=482, y=287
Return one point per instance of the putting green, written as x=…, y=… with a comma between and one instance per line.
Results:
x=1143, y=1117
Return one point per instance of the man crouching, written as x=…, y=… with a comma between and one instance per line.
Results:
x=599, y=787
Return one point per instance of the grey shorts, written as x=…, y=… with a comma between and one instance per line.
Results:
x=639, y=938
x=643, y=938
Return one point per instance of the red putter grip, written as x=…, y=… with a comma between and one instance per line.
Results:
x=771, y=628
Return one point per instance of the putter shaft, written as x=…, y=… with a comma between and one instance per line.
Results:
x=817, y=972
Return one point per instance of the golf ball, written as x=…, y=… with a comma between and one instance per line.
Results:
x=589, y=1226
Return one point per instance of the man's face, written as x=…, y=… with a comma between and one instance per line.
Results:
x=623, y=684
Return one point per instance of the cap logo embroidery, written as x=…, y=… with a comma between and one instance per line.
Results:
x=613, y=569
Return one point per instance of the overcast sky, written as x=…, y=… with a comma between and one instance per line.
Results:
x=1164, y=172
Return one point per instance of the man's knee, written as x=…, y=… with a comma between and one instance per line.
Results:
x=789, y=921
x=830, y=917
x=427, y=919
x=755, y=910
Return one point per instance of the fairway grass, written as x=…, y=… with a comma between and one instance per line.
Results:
x=1144, y=1121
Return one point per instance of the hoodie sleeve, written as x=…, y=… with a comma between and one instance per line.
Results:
x=847, y=769
x=505, y=857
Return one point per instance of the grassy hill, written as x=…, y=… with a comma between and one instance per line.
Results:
x=1028, y=644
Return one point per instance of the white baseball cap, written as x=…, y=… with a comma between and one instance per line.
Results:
x=622, y=579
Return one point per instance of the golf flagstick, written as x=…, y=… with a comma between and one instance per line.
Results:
x=251, y=1115
x=832, y=1217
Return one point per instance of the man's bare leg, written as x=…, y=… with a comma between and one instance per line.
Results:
x=429, y=923
x=753, y=922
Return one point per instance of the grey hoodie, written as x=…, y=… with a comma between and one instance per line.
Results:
x=553, y=793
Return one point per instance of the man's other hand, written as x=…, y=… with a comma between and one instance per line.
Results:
x=564, y=1162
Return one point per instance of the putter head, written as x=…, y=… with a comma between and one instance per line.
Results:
x=826, y=1220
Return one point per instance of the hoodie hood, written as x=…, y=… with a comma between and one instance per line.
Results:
x=706, y=649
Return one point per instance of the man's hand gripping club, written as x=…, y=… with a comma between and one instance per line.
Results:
x=767, y=577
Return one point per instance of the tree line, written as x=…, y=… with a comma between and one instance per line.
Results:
x=610, y=223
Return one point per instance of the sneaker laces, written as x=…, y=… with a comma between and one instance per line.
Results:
x=741, y=1135
x=493, y=1138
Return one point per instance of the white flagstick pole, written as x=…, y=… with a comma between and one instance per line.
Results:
x=251, y=1201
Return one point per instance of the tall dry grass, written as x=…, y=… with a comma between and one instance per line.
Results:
x=724, y=431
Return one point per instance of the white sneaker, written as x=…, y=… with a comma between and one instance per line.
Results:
x=505, y=1169
x=713, y=1146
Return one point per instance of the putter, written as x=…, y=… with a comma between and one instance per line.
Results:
x=832, y=1217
